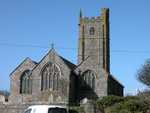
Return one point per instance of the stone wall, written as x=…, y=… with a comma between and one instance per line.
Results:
x=4, y=108
x=58, y=96
x=15, y=76
x=86, y=106
x=2, y=98
x=93, y=50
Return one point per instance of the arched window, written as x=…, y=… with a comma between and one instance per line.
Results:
x=50, y=77
x=92, y=31
x=89, y=78
x=26, y=82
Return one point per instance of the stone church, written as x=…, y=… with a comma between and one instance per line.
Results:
x=56, y=80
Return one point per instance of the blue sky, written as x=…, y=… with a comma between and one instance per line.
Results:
x=42, y=22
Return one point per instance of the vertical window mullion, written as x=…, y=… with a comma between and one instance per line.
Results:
x=54, y=82
x=23, y=85
x=30, y=85
x=57, y=82
x=46, y=73
x=93, y=82
x=53, y=71
x=42, y=82
x=89, y=78
x=50, y=77
x=45, y=81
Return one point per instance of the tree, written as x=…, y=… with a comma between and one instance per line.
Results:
x=5, y=93
x=143, y=74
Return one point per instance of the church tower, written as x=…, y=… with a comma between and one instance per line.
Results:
x=94, y=57
x=94, y=40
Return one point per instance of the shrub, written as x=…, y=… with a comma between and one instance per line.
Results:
x=76, y=109
x=129, y=104
x=108, y=101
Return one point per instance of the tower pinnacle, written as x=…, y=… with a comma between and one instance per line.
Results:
x=80, y=13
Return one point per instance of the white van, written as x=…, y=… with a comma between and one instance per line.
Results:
x=46, y=109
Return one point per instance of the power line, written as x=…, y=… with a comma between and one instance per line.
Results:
x=68, y=48
x=22, y=45
x=130, y=51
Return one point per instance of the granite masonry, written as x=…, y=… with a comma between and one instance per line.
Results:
x=55, y=80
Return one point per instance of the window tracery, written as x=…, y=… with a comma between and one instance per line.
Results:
x=50, y=77
x=89, y=78
x=26, y=82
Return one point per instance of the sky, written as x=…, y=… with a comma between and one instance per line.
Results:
x=28, y=28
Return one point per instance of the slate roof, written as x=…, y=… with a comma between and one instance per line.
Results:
x=68, y=63
x=22, y=63
x=115, y=79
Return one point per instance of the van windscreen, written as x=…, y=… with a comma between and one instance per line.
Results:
x=57, y=110
x=28, y=111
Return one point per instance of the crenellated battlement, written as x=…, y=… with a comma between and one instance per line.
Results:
x=97, y=28
x=104, y=14
x=91, y=19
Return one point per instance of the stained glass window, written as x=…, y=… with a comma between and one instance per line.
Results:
x=50, y=77
x=89, y=78
x=26, y=82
